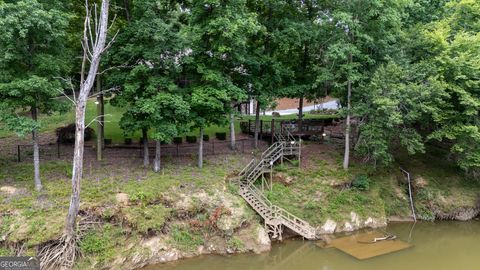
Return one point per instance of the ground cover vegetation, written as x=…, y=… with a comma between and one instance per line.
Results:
x=406, y=73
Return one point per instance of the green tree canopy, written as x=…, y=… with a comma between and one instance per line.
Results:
x=33, y=52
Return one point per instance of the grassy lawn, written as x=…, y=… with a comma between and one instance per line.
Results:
x=50, y=122
x=320, y=192
x=113, y=131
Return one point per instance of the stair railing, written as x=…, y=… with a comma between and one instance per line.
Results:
x=254, y=169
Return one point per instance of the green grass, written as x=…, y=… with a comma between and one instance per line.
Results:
x=447, y=186
x=147, y=218
x=235, y=243
x=113, y=115
x=33, y=218
x=112, y=128
x=36, y=217
x=312, y=197
x=49, y=123
x=100, y=244
x=185, y=239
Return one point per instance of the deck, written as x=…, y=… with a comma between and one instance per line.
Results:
x=304, y=128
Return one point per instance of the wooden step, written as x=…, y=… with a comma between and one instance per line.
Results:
x=253, y=171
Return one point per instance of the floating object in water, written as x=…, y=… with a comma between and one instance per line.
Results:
x=369, y=244
x=378, y=239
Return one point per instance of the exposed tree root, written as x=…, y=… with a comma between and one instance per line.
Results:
x=59, y=254
x=62, y=253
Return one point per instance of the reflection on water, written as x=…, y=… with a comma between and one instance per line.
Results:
x=439, y=246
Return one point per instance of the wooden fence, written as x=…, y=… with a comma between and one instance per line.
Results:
x=65, y=151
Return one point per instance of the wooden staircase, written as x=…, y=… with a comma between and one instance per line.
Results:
x=275, y=217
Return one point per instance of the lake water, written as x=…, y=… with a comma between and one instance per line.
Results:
x=438, y=246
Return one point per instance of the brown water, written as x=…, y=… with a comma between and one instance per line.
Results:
x=438, y=246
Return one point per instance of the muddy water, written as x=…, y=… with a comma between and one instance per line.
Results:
x=438, y=246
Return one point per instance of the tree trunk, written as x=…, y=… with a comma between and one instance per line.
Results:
x=86, y=84
x=146, y=158
x=346, y=157
x=157, y=161
x=77, y=172
x=200, y=150
x=300, y=115
x=101, y=121
x=36, y=154
x=126, y=4
x=257, y=125
x=232, y=131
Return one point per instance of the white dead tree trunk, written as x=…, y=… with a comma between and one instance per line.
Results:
x=62, y=253
x=94, y=44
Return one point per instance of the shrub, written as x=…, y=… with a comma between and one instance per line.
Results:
x=222, y=136
x=361, y=182
x=191, y=139
x=177, y=140
x=128, y=141
x=206, y=138
x=66, y=134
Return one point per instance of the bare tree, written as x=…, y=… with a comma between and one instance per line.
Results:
x=62, y=253
x=94, y=44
